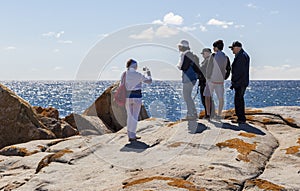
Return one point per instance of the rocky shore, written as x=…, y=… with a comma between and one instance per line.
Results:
x=40, y=151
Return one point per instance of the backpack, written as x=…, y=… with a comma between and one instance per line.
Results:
x=196, y=65
x=120, y=94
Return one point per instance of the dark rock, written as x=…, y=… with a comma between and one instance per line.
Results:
x=18, y=122
x=47, y=112
x=67, y=130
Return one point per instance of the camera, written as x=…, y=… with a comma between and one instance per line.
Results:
x=145, y=68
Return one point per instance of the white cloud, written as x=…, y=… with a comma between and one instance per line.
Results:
x=147, y=34
x=165, y=31
x=222, y=24
x=53, y=34
x=252, y=6
x=103, y=35
x=162, y=32
x=56, y=50
x=49, y=34
x=171, y=19
x=10, y=48
x=203, y=28
x=159, y=22
x=239, y=26
x=58, y=35
x=65, y=41
x=57, y=68
x=187, y=29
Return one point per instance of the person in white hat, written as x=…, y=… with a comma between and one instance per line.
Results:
x=189, y=77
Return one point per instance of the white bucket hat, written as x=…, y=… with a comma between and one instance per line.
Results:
x=184, y=43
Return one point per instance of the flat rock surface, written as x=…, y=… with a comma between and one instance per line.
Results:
x=187, y=155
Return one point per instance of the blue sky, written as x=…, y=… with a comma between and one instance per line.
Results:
x=50, y=40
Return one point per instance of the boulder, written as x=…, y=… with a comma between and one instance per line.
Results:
x=47, y=112
x=71, y=120
x=59, y=127
x=53, y=125
x=113, y=116
x=67, y=130
x=18, y=122
x=88, y=125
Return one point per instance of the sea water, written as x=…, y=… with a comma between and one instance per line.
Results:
x=162, y=99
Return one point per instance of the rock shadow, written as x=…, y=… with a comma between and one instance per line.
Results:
x=195, y=127
x=135, y=146
x=239, y=127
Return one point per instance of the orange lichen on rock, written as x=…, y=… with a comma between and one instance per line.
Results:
x=228, y=113
x=201, y=114
x=250, y=117
x=242, y=147
x=249, y=135
x=173, y=123
x=51, y=158
x=253, y=111
x=266, y=121
x=174, y=182
x=290, y=120
x=16, y=151
x=292, y=150
x=150, y=119
x=176, y=144
x=265, y=185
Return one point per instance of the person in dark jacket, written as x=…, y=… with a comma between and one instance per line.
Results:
x=239, y=79
x=206, y=52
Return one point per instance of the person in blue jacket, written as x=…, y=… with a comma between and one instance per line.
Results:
x=239, y=79
x=189, y=77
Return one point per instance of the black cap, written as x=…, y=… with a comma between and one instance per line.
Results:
x=235, y=44
x=206, y=50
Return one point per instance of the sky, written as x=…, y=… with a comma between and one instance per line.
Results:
x=69, y=40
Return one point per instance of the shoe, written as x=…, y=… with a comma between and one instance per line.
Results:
x=138, y=137
x=132, y=139
x=207, y=117
x=238, y=121
x=218, y=117
x=241, y=122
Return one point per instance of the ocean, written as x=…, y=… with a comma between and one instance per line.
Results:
x=162, y=99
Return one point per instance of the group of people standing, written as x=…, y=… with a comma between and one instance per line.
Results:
x=214, y=70
x=211, y=73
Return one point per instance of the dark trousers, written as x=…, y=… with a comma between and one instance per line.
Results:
x=239, y=103
x=212, y=106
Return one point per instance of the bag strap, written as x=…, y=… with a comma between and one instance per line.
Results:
x=123, y=78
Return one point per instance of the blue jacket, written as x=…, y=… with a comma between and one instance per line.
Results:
x=188, y=72
x=240, y=70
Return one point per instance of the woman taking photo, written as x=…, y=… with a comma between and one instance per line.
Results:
x=133, y=83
